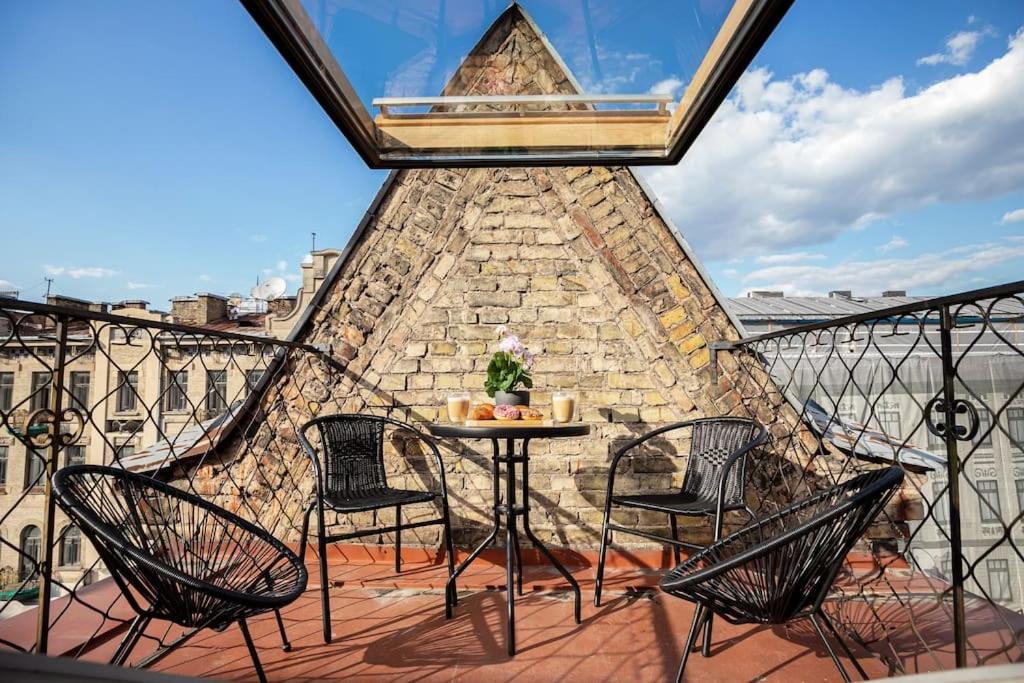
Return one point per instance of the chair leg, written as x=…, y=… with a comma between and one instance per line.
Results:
x=519, y=564
x=600, y=556
x=252, y=650
x=451, y=598
x=675, y=537
x=831, y=652
x=325, y=598
x=691, y=639
x=398, y=539
x=130, y=640
x=285, y=645
x=304, y=540
x=705, y=648
x=842, y=643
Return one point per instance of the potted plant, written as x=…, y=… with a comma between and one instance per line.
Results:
x=509, y=368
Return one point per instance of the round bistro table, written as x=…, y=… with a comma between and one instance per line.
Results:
x=510, y=510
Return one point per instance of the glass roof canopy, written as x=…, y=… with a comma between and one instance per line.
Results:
x=423, y=83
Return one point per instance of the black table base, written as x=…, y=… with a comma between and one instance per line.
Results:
x=511, y=512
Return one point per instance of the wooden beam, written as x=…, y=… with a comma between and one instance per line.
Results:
x=600, y=131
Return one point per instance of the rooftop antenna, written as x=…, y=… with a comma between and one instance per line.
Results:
x=49, y=281
x=314, y=241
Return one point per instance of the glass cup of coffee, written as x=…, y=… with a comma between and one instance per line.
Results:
x=563, y=406
x=458, y=407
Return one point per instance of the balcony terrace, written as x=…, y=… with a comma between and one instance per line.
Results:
x=894, y=602
x=583, y=262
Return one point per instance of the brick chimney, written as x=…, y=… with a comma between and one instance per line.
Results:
x=200, y=309
x=135, y=304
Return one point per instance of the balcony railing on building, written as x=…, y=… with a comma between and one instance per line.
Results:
x=936, y=387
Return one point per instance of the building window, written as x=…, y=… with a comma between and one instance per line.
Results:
x=127, y=391
x=988, y=502
x=28, y=563
x=176, y=396
x=76, y=455
x=889, y=421
x=123, y=451
x=3, y=466
x=6, y=390
x=946, y=568
x=1015, y=424
x=252, y=378
x=940, y=505
x=35, y=468
x=1019, y=484
x=216, y=391
x=71, y=547
x=999, y=580
x=80, y=389
x=984, y=436
x=40, y=390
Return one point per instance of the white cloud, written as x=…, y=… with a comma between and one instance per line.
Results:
x=895, y=243
x=205, y=278
x=79, y=272
x=668, y=86
x=277, y=268
x=796, y=257
x=959, y=49
x=138, y=285
x=258, y=237
x=866, y=277
x=7, y=285
x=1015, y=216
x=795, y=162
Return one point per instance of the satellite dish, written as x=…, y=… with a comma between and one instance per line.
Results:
x=273, y=287
x=256, y=292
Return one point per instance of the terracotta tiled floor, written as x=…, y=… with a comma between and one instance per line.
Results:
x=384, y=632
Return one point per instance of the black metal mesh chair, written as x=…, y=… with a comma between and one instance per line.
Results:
x=352, y=478
x=177, y=557
x=782, y=567
x=713, y=482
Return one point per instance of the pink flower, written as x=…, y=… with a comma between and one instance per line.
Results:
x=503, y=330
x=527, y=360
x=511, y=344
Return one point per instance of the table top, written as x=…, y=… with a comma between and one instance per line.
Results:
x=499, y=431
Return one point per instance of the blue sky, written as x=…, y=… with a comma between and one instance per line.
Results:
x=151, y=149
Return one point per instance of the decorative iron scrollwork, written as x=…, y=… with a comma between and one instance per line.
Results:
x=41, y=426
x=960, y=407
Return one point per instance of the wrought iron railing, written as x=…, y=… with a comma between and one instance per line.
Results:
x=936, y=387
x=140, y=393
x=216, y=413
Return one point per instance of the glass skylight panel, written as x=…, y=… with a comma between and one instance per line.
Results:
x=480, y=82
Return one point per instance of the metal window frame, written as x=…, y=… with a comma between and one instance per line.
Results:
x=293, y=33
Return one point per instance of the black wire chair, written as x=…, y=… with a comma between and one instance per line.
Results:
x=354, y=480
x=712, y=485
x=782, y=567
x=177, y=557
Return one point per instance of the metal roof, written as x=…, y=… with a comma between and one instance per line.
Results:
x=809, y=309
x=812, y=307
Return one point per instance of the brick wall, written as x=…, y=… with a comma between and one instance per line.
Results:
x=580, y=264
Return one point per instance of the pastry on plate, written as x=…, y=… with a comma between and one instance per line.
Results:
x=506, y=413
x=483, y=411
x=526, y=413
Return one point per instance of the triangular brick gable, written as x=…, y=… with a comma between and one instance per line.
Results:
x=578, y=261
